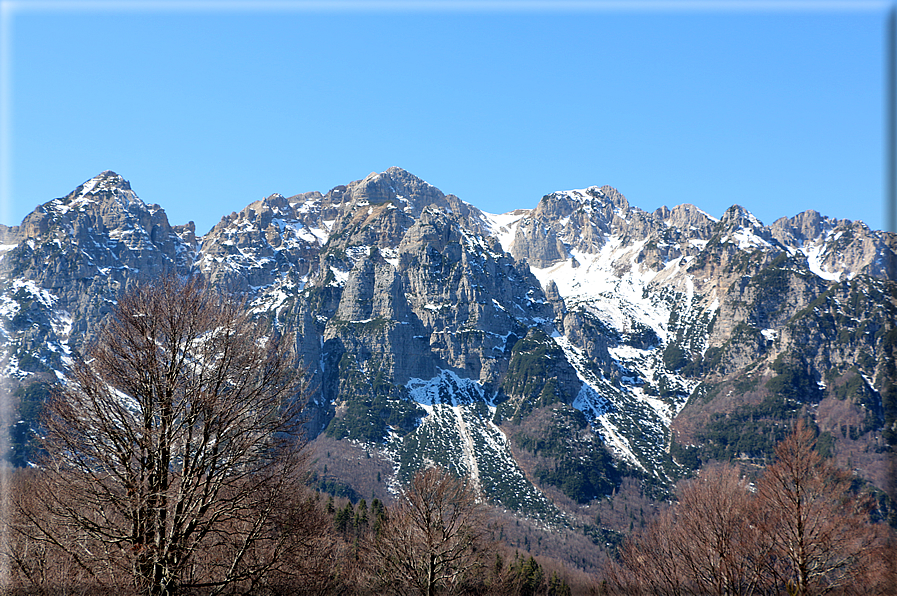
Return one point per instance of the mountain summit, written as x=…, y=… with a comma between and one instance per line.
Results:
x=547, y=353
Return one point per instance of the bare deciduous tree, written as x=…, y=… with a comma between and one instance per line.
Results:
x=820, y=530
x=647, y=563
x=433, y=540
x=803, y=532
x=176, y=435
x=706, y=544
x=716, y=539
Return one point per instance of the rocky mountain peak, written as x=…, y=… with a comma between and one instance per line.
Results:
x=374, y=188
x=105, y=204
x=741, y=228
x=83, y=249
x=563, y=221
x=426, y=341
x=803, y=227
x=406, y=190
x=107, y=180
x=737, y=216
x=601, y=202
x=611, y=195
x=687, y=217
x=265, y=210
x=106, y=186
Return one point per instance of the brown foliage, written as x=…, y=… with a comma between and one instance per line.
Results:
x=802, y=532
x=705, y=545
x=818, y=528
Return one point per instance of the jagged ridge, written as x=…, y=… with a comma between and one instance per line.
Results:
x=658, y=327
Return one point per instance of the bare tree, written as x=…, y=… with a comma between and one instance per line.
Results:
x=820, y=529
x=433, y=540
x=716, y=539
x=647, y=563
x=705, y=544
x=803, y=532
x=177, y=435
x=35, y=565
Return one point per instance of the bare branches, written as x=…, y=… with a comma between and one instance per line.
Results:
x=176, y=434
x=803, y=532
x=819, y=529
x=433, y=539
x=705, y=545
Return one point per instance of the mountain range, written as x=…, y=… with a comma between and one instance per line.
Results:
x=548, y=354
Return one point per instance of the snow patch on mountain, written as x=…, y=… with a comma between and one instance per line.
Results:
x=610, y=284
x=815, y=255
x=33, y=292
x=618, y=443
x=745, y=239
x=447, y=388
x=504, y=226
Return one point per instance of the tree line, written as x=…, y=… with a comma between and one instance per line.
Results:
x=800, y=529
x=173, y=463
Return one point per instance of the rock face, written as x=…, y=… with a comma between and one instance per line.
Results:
x=72, y=257
x=432, y=332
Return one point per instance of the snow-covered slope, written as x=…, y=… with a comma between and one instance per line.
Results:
x=544, y=351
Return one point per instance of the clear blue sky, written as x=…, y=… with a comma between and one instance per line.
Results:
x=209, y=109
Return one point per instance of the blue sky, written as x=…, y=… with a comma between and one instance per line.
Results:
x=208, y=107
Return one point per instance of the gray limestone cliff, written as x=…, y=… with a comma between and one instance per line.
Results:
x=431, y=331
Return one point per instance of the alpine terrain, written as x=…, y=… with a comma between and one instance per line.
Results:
x=554, y=355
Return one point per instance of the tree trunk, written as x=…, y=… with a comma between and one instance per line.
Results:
x=431, y=575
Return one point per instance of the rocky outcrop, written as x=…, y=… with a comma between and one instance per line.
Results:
x=423, y=323
x=78, y=253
